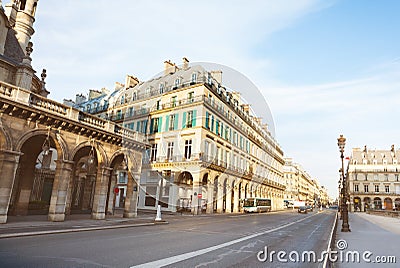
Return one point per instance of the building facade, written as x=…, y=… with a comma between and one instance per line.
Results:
x=208, y=150
x=54, y=159
x=301, y=187
x=373, y=179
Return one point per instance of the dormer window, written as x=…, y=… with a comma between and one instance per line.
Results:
x=161, y=88
x=194, y=77
x=177, y=82
x=122, y=99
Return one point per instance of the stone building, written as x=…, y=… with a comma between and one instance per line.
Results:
x=54, y=159
x=301, y=187
x=208, y=150
x=373, y=179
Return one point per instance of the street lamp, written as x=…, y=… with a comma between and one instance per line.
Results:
x=345, y=222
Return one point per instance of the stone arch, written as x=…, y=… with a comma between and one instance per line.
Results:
x=377, y=203
x=357, y=203
x=101, y=155
x=367, y=203
x=6, y=142
x=59, y=142
x=388, y=203
x=36, y=172
x=397, y=204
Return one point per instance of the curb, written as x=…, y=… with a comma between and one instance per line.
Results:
x=12, y=235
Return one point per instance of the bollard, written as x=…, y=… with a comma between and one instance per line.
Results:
x=158, y=217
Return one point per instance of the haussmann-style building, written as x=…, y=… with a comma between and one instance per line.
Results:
x=208, y=150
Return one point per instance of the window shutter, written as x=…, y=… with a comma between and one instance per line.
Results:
x=194, y=118
x=184, y=120
x=176, y=122
x=159, y=124
x=151, y=125
x=145, y=126
x=137, y=126
x=167, y=123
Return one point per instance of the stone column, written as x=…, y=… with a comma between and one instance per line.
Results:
x=236, y=208
x=196, y=189
x=111, y=195
x=100, y=193
x=228, y=198
x=130, y=209
x=8, y=165
x=61, y=182
x=173, y=194
x=210, y=199
x=220, y=197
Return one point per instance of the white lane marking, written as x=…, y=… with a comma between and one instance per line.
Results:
x=185, y=256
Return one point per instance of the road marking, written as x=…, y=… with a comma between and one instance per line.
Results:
x=185, y=256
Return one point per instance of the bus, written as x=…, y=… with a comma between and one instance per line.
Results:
x=257, y=204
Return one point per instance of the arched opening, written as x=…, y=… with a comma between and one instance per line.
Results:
x=215, y=194
x=388, y=203
x=204, y=192
x=224, y=192
x=232, y=196
x=367, y=203
x=34, y=179
x=185, y=184
x=397, y=204
x=117, y=185
x=245, y=191
x=357, y=204
x=377, y=203
x=84, y=180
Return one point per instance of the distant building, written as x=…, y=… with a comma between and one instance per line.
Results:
x=373, y=179
x=208, y=150
x=301, y=187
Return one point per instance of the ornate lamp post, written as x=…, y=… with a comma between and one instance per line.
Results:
x=345, y=222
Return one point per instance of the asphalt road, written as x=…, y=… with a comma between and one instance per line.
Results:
x=187, y=241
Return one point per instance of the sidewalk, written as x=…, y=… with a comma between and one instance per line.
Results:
x=377, y=234
x=38, y=224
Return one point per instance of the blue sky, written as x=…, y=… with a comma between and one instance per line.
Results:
x=324, y=67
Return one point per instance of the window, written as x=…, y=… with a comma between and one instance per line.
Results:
x=387, y=189
x=147, y=92
x=122, y=178
x=171, y=122
x=376, y=188
x=207, y=120
x=177, y=82
x=206, y=145
x=209, y=79
x=156, y=125
x=188, y=149
x=158, y=104
x=170, y=150
x=386, y=177
x=153, y=155
x=217, y=127
x=173, y=101
x=161, y=88
x=365, y=188
x=356, y=188
x=190, y=119
x=194, y=77
x=122, y=99
x=190, y=97
x=396, y=177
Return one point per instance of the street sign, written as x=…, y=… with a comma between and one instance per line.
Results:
x=116, y=190
x=199, y=195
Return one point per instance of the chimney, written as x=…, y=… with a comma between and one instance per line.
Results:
x=246, y=108
x=169, y=67
x=131, y=81
x=118, y=86
x=80, y=98
x=185, y=63
x=217, y=75
x=94, y=94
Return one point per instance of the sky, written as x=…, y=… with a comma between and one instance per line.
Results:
x=324, y=67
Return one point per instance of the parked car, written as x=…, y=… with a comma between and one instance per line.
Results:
x=302, y=209
x=309, y=208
